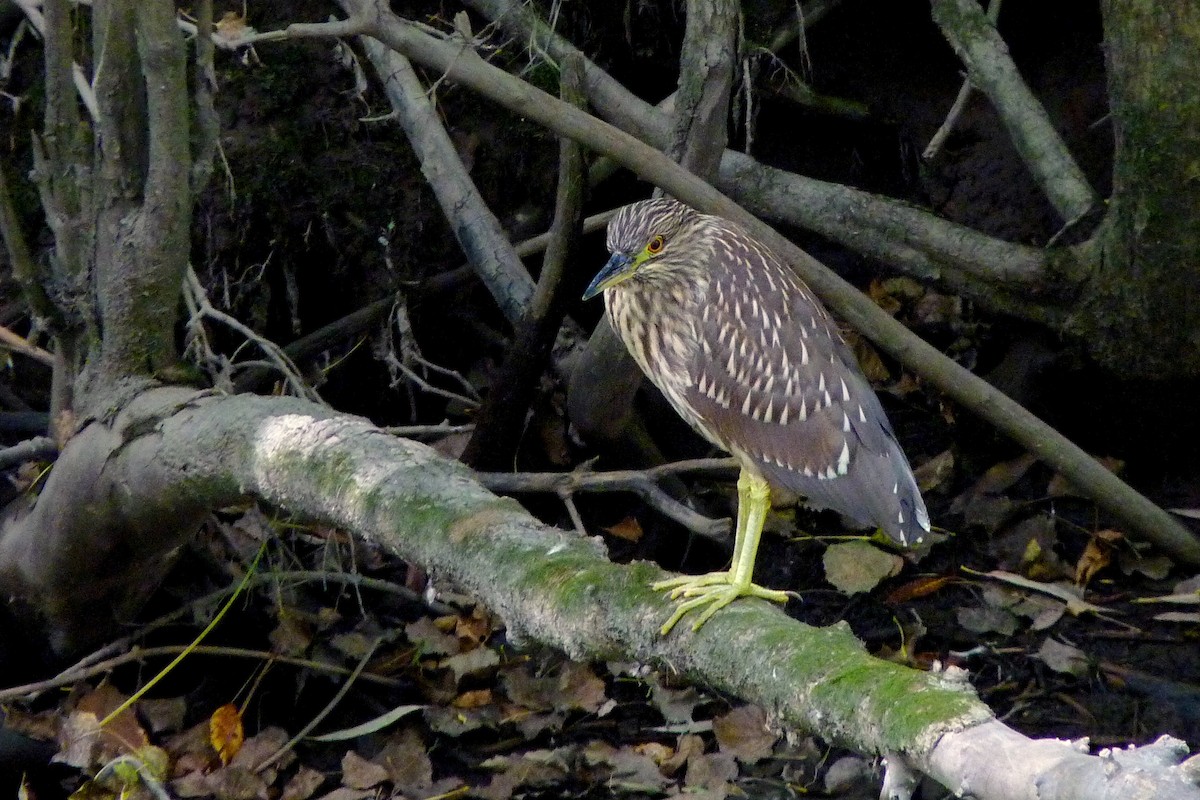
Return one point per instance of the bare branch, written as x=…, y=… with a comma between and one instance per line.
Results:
x=201, y=308
x=39, y=448
x=502, y=419
x=22, y=345
x=993, y=72
x=894, y=232
x=207, y=124
x=701, y=111
x=1139, y=514
x=643, y=483
x=23, y=267
x=477, y=229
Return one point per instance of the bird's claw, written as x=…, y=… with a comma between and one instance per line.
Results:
x=714, y=590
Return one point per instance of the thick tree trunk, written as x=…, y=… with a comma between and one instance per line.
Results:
x=1141, y=316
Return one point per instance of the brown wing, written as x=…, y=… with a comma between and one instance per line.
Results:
x=777, y=386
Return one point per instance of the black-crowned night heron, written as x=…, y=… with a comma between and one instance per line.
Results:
x=746, y=354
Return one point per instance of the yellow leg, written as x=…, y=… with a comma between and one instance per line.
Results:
x=718, y=589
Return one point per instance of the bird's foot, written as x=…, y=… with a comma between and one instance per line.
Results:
x=689, y=585
x=712, y=592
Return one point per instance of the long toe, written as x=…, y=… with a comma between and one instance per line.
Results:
x=711, y=596
x=684, y=583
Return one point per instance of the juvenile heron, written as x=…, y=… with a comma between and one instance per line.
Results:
x=748, y=356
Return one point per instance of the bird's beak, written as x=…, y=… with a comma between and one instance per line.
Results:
x=616, y=270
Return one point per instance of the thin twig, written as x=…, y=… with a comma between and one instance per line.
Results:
x=20, y=344
x=31, y=690
x=203, y=307
x=960, y=102
x=420, y=432
x=991, y=69
x=324, y=712
x=643, y=483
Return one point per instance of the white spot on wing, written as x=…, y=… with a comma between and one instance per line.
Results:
x=844, y=459
x=845, y=392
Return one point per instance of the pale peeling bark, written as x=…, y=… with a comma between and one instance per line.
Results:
x=180, y=448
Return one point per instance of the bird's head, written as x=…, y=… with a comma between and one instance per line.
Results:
x=642, y=238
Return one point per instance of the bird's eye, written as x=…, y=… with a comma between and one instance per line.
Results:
x=656, y=245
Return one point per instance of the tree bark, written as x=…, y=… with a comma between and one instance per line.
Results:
x=1141, y=315
x=183, y=449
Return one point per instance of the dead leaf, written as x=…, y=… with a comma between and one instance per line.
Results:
x=79, y=740
x=425, y=634
x=921, y=587
x=1003, y=476
x=534, y=769
x=676, y=705
x=1154, y=567
x=225, y=732
x=628, y=529
x=655, y=751
x=1068, y=594
x=868, y=358
x=936, y=471
x=849, y=776
x=882, y=297
x=346, y=793
x=744, y=733
x=938, y=309
x=856, y=566
x=1063, y=658
x=232, y=27
x=475, y=698
x=479, y=661
x=238, y=783
x=406, y=759
x=689, y=746
x=630, y=770
x=165, y=715
x=712, y=771
x=359, y=773
x=475, y=628
x=987, y=619
x=571, y=686
x=303, y=784
x=1096, y=555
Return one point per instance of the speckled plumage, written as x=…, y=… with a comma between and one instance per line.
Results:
x=746, y=354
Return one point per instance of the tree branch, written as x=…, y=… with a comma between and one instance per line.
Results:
x=478, y=231
x=1139, y=515
x=501, y=421
x=911, y=239
x=549, y=585
x=992, y=71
